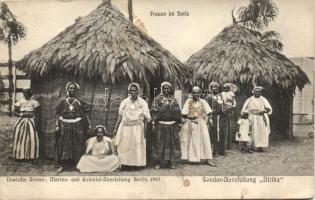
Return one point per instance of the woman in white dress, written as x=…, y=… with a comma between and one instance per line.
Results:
x=130, y=129
x=258, y=109
x=195, y=138
x=98, y=156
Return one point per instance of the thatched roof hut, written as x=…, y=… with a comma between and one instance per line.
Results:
x=236, y=55
x=103, y=45
x=103, y=52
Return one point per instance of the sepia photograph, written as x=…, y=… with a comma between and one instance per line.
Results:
x=145, y=96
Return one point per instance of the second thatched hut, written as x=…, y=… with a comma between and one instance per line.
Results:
x=103, y=52
x=236, y=55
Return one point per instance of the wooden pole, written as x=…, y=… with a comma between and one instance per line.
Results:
x=290, y=130
x=10, y=66
x=130, y=10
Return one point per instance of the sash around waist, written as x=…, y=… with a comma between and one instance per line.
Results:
x=132, y=123
x=167, y=122
x=71, y=120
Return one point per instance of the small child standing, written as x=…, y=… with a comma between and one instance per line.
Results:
x=228, y=96
x=244, y=135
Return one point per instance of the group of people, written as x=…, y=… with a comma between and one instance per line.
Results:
x=196, y=133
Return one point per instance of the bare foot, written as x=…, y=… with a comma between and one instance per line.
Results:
x=211, y=163
x=157, y=167
x=59, y=170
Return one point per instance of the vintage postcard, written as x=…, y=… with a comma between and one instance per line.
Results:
x=156, y=99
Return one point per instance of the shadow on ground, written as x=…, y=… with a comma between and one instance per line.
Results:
x=283, y=158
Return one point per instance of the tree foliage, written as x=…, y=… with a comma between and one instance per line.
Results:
x=256, y=16
x=10, y=27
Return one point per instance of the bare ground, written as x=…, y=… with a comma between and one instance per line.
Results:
x=283, y=158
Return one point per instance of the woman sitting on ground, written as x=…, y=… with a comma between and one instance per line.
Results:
x=98, y=156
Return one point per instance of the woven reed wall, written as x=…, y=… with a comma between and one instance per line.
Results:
x=103, y=106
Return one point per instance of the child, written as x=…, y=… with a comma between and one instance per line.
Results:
x=244, y=133
x=98, y=156
x=228, y=96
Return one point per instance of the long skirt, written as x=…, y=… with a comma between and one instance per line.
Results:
x=98, y=163
x=26, y=144
x=131, y=145
x=166, y=144
x=260, y=130
x=70, y=144
x=195, y=141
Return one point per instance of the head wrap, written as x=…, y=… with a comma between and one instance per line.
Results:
x=213, y=84
x=231, y=86
x=226, y=85
x=27, y=89
x=102, y=127
x=133, y=84
x=197, y=89
x=166, y=84
x=73, y=83
x=257, y=90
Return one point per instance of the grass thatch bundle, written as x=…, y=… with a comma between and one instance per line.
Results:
x=103, y=52
x=236, y=55
x=104, y=44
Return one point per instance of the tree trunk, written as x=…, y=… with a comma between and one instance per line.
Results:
x=10, y=66
x=290, y=125
x=130, y=10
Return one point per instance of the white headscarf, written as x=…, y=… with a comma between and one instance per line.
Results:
x=101, y=126
x=74, y=83
x=165, y=83
x=257, y=89
x=196, y=88
x=133, y=84
x=213, y=84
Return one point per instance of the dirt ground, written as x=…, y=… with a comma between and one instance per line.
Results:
x=283, y=158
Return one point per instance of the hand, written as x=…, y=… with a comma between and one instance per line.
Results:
x=153, y=127
x=238, y=135
x=114, y=131
x=57, y=128
x=115, y=151
x=89, y=127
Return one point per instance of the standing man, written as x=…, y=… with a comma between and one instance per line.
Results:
x=258, y=109
x=219, y=126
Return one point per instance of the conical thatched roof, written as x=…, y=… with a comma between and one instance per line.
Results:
x=104, y=44
x=237, y=55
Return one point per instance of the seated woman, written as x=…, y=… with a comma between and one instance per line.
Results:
x=98, y=156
